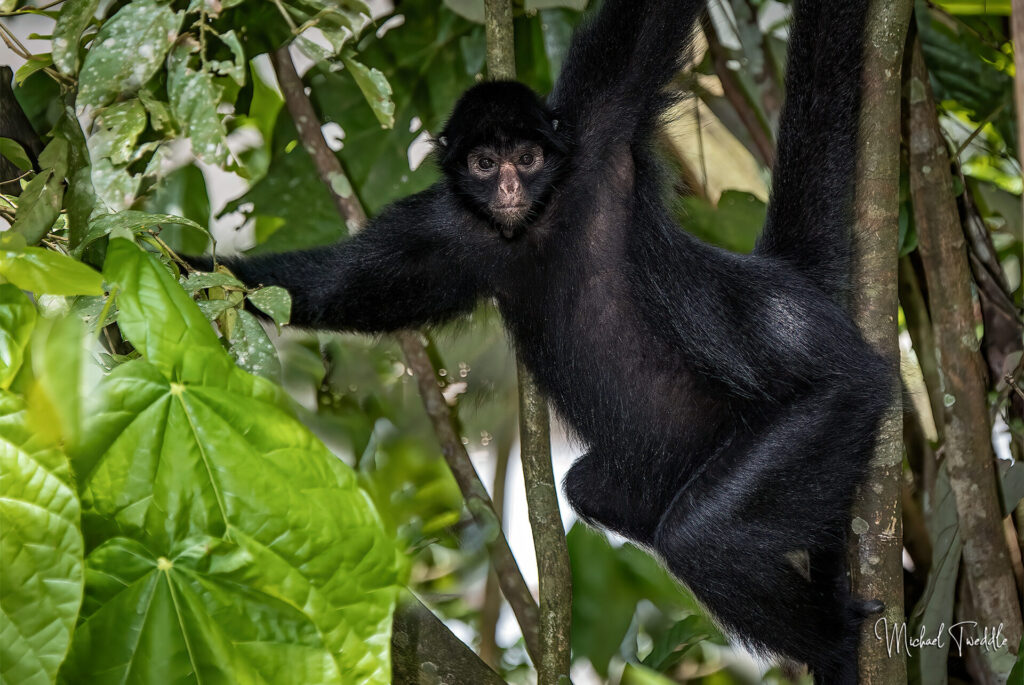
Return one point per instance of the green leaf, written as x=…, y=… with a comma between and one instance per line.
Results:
x=274, y=301
x=40, y=551
x=251, y=348
x=203, y=495
x=38, y=206
x=194, y=100
x=45, y=272
x=375, y=88
x=156, y=315
x=17, y=319
x=73, y=18
x=116, y=131
x=31, y=66
x=135, y=222
x=15, y=153
x=236, y=68
x=635, y=674
x=1017, y=672
x=128, y=51
x=198, y=281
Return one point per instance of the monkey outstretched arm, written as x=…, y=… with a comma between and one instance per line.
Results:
x=612, y=84
x=409, y=267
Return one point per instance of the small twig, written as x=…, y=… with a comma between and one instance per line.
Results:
x=1012, y=383
x=14, y=44
x=287, y=17
x=974, y=134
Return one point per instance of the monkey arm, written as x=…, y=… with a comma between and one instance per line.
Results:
x=618, y=65
x=411, y=266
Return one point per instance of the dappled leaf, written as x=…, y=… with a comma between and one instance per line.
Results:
x=116, y=131
x=194, y=99
x=128, y=51
x=198, y=281
x=72, y=20
x=40, y=551
x=251, y=348
x=274, y=301
x=135, y=222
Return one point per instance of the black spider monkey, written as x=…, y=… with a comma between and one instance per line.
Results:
x=728, y=402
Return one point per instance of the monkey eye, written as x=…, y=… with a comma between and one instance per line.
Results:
x=526, y=159
x=485, y=163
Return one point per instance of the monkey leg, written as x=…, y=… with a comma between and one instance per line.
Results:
x=759, y=535
x=611, y=495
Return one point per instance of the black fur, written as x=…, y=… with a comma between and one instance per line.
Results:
x=728, y=402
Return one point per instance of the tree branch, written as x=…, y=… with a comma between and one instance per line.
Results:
x=332, y=174
x=742, y=103
x=535, y=439
x=877, y=568
x=970, y=461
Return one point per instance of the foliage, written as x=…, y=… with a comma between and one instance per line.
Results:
x=173, y=506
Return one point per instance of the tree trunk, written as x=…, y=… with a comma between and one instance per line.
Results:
x=877, y=566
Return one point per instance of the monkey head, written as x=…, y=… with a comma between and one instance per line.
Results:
x=502, y=150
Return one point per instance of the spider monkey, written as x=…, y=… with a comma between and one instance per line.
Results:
x=728, y=402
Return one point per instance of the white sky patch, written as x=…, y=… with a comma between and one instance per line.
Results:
x=419, y=150
x=334, y=135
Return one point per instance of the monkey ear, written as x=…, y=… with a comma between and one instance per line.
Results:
x=554, y=124
x=443, y=141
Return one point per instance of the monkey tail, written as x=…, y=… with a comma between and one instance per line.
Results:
x=810, y=214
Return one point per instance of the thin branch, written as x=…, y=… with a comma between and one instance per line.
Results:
x=760, y=132
x=974, y=134
x=1017, y=36
x=332, y=174
x=477, y=500
x=535, y=440
x=968, y=444
x=876, y=568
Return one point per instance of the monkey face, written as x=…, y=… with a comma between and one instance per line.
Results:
x=507, y=181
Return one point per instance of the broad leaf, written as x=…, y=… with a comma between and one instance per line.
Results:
x=17, y=318
x=40, y=551
x=226, y=536
x=44, y=271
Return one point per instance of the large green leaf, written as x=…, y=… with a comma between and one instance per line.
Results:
x=228, y=544
x=44, y=271
x=40, y=551
x=128, y=51
x=17, y=318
